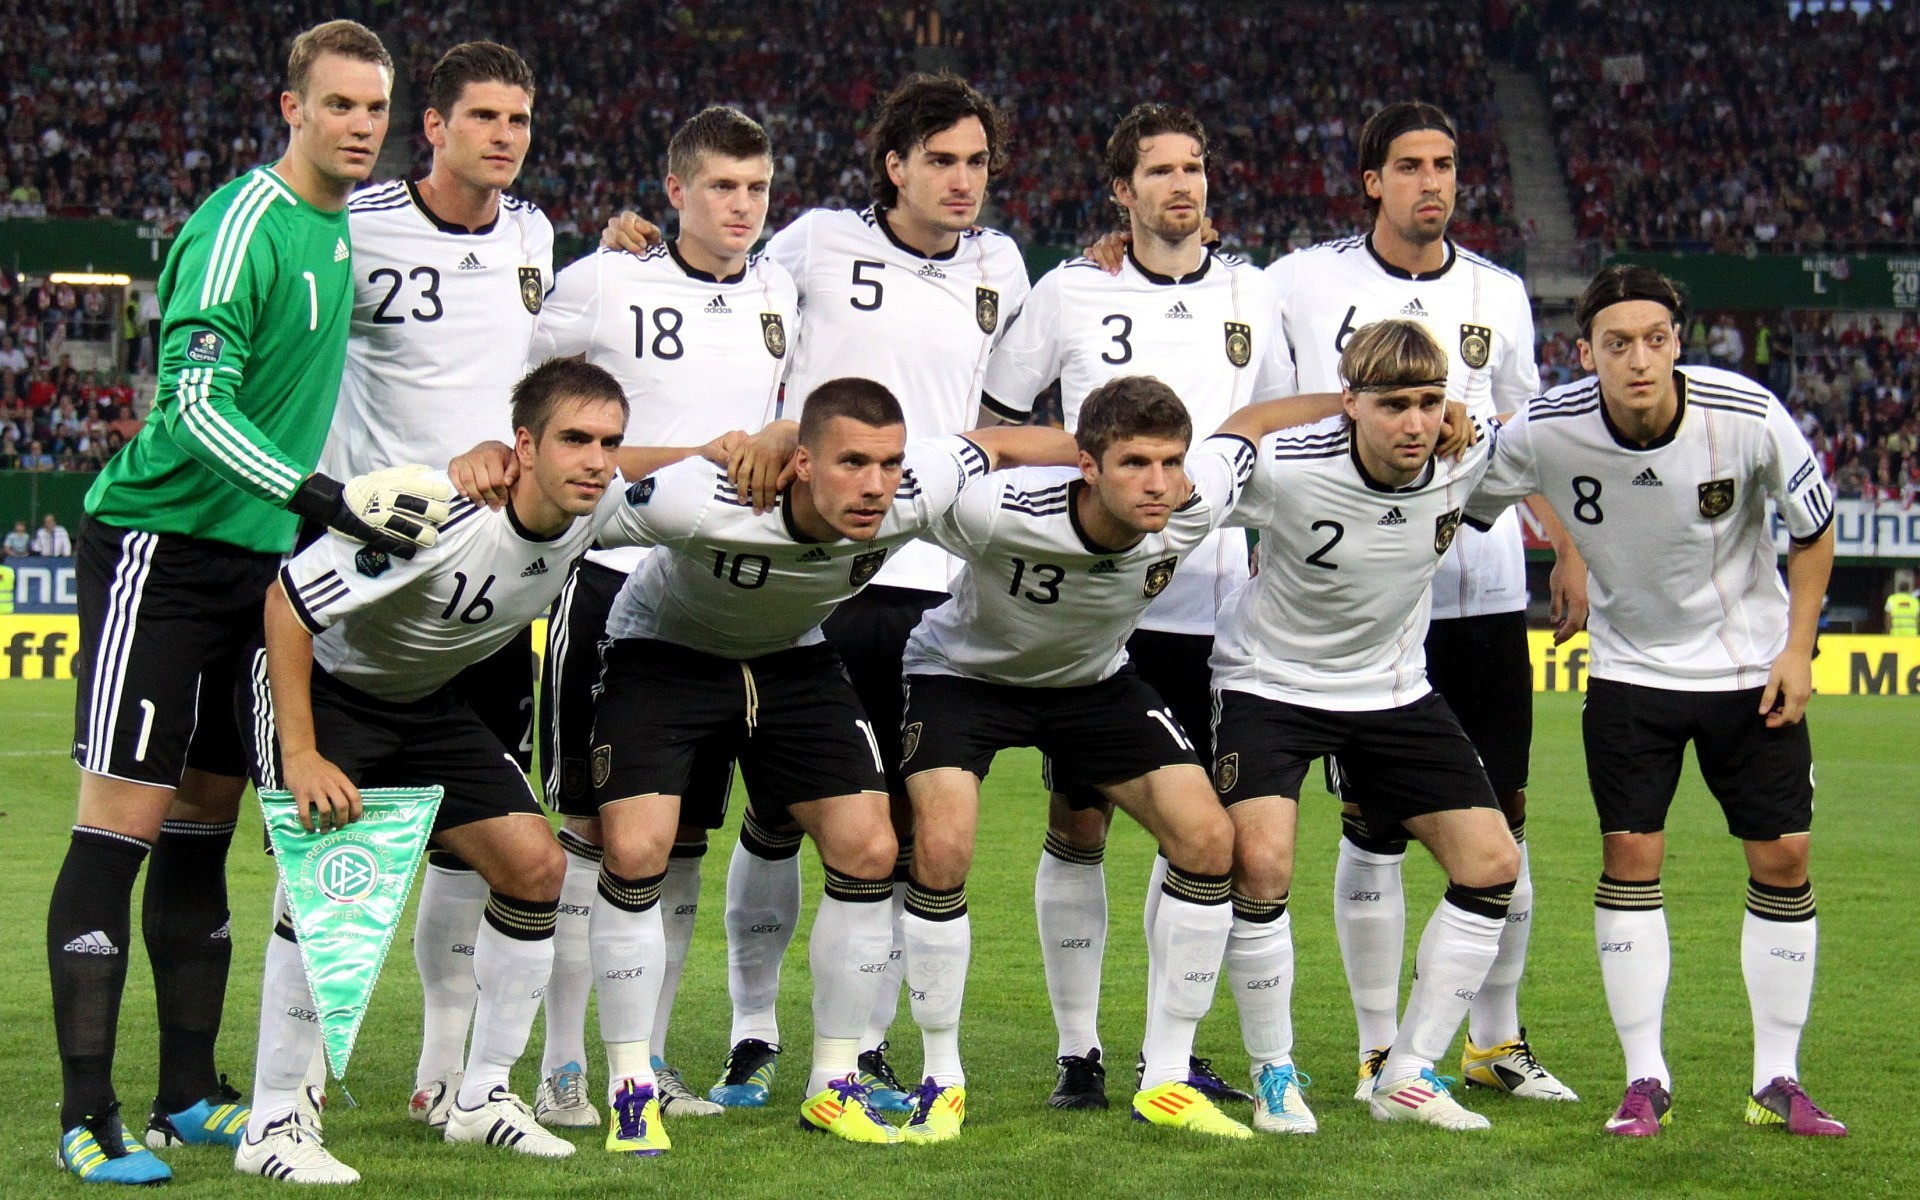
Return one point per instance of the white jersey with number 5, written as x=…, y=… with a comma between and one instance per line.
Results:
x=736, y=584
x=1208, y=335
x=1482, y=318
x=1684, y=588
x=442, y=317
x=1038, y=604
x=1337, y=617
x=696, y=355
x=922, y=325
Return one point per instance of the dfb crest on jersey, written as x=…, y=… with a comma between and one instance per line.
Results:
x=602, y=765
x=1476, y=345
x=1239, y=343
x=531, y=293
x=986, y=308
x=1159, y=575
x=1226, y=772
x=865, y=567
x=204, y=346
x=774, y=334
x=1716, y=497
x=910, y=740
x=1444, y=527
x=372, y=563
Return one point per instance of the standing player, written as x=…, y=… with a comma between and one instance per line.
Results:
x=725, y=619
x=1201, y=322
x=697, y=333
x=1034, y=648
x=1320, y=655
x=449, y=273
x=1406, y=268
x=358, y=684
x=1667, y=472
x=185, y=528
x=910, y=293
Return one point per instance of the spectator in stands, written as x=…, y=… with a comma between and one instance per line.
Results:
x=36, y=458
x=51, y=540
x=12, y=358
x=18, y=543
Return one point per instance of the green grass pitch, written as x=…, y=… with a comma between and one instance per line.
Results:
x=1858, y=1056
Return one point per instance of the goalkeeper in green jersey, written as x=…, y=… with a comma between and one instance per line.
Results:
x=183, y=534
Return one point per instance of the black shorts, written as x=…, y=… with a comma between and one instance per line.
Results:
x=499, y=689
x=569, y=683
x=870, y=631
x=388, y=743
x=1402, y=762
x=1175, y=666
x=1106, y=732
x=165, y=623
x=1480, y=665
x=790, y=718
x=1636, y=737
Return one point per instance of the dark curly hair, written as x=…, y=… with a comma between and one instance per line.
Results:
x=919, y=108
x=1145, y=121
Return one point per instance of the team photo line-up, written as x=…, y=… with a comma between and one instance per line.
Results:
x=800, y=495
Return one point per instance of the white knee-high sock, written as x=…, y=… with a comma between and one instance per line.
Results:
x=1156, y=880
x=1494, y=1018
x=1456, y=950
x=572, y=980
x=763, y=906
x=887, y=1005
x=444, y=933
x=289, y=1027
x=1189, y=938
x=629, y=946
x=679, y=905
x=1070, y=904
x=1630, y=930
x=848, y=954
x=512, y=962
x=1260, y=972
x=1777, y=951
x=1370, y=921
x=939, y=943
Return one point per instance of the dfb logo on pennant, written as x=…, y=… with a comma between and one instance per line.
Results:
x=1476, y=345
x=1239, y=343
x=986, y=309
x=1444, y=527
x=865, y=567
x=1159, y=575
x=774, y=333
x=1716, y=497
x=531, y=293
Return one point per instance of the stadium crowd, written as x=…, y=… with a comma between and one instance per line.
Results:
x=1729, y=126
x=1856, y=395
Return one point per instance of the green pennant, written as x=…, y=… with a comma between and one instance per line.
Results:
x=346, y=890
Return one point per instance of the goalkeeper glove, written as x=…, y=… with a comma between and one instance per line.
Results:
x=397, y=510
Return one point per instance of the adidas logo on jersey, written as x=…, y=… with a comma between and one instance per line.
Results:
x=471, y=263
x=1179, y=311
x=816, y=555
x=717, y=307
x=96, y=942
x=339, y=249
x=1393, y=517
x=539, y=567
x=1104, y=567
x=1647, y=478
x=1412, y=308
x=930, y=271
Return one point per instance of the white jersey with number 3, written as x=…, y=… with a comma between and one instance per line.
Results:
x=442, y=317
x=1482, y=318
x=1684, y=587
x=921, y=325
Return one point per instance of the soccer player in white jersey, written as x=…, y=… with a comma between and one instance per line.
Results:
x=1406, y=267
x=1202, y=322
x=1320, y=654
x=725, y=620
x=912, y=294
x=449, y=272
x=1666, y=474
x=698, y=333
x=1034, y=649
x=358, y=684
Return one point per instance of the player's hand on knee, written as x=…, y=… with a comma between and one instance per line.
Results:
x=762, y=465
x=1789, y=684
x=631, y=232
x=326, y=798
x=485, y=473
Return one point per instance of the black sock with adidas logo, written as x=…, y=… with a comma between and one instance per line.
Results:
x=89, y=927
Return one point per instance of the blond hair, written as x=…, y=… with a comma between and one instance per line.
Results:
x=1387, y=356
x=348, y=39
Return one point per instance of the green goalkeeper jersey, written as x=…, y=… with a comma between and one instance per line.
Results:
x=256, y=296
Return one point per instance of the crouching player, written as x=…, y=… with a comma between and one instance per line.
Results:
x=352, y=689
x=1061, y=564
